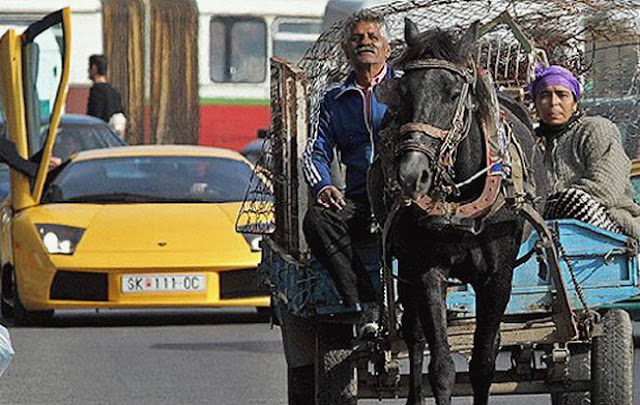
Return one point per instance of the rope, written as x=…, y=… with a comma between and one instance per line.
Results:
x=475, y=176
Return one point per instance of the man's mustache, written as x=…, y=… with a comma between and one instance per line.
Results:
x=365, y=48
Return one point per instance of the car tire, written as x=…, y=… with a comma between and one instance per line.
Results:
x=24, y=317
x=264, y=311
x=6, y=294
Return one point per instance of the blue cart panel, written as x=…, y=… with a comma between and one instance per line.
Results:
x=605, y=265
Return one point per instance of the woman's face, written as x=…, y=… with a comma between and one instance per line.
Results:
x=555, y=105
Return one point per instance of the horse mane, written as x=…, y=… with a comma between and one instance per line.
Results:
x=436, y=44
x=446, y=45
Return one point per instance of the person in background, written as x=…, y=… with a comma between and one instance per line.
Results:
x=104, y=100
x=586, y=164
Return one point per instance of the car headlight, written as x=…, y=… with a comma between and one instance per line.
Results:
x=59, y=239
x=254, y=241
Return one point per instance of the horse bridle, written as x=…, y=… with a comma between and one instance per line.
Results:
x=444, y=156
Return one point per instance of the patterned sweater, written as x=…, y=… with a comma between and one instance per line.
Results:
x=590, y=156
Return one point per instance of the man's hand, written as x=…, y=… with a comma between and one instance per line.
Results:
x=54, y=162
x=331, y=197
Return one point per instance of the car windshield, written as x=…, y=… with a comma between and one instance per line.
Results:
x=78, y=137
x=151, y=179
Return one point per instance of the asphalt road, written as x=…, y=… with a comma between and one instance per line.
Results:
x=160, y=357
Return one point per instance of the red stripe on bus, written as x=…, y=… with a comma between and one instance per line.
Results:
x=231, y=126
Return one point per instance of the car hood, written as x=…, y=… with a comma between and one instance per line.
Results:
x=176, y=228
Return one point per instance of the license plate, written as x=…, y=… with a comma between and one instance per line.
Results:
x=132, y=283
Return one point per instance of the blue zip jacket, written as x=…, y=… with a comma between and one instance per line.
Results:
x=342, y=125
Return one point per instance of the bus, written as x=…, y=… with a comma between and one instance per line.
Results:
x=235, y=42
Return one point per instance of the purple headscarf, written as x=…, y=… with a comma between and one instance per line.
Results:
x=554, y=76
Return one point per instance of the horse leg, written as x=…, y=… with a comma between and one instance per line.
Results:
x=433, y=315
x=491, y=302
x=415, y=340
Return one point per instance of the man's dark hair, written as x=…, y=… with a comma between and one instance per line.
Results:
x=364, y=15
x=99, y=61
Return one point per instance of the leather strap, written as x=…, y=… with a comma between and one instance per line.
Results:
x=474, y=209
x=428, y=129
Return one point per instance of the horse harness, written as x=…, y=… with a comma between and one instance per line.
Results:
x=506, y=183
x=504, y=157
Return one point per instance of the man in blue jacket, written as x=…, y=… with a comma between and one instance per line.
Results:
x=349, y=122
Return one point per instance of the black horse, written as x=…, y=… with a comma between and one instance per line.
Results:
x=432, y=157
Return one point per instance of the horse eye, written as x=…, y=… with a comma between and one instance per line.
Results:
x=453, y=89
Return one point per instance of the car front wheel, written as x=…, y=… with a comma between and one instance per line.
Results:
x=6, y=294
x=24, y=317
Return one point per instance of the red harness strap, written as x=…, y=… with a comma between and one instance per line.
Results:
x=474, y=209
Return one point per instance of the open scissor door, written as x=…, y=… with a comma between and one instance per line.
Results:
x=33, y=85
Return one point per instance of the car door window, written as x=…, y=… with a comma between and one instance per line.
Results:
x=42, y=67
x=33, y=86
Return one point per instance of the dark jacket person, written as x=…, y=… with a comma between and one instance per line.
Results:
x=104, y=100
x=586, y=164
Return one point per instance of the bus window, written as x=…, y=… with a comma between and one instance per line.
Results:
x=292, y=38
x=238, y=50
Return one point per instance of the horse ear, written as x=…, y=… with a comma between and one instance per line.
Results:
x=388, y=92
x=468, y=40
x=411, y=32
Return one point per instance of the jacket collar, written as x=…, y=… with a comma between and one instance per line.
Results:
x=350, y=82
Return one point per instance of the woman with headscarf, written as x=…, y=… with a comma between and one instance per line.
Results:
x=586, y=164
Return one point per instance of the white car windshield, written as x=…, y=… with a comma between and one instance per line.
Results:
x=151, y=179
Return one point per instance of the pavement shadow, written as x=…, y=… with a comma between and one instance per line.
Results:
x=150, y=317
x=270, y=347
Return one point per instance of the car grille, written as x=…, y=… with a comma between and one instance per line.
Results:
x=80, y=286
x=241, y=283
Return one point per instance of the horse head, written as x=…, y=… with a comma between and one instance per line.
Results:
x=434, y=108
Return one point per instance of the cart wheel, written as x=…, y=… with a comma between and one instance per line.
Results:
x=612, y=361
x=336, y=382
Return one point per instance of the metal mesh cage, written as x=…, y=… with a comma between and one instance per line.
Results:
x=597, y=39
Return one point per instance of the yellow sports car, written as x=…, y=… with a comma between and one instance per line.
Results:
x=134, y=227
x=138, y=226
